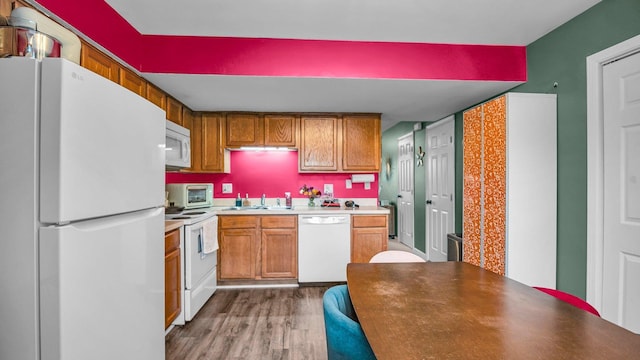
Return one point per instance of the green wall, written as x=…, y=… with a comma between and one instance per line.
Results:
x=389, y=186
x=560, y=56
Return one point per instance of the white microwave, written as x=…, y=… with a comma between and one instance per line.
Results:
x=190, y=196
x=177, y=147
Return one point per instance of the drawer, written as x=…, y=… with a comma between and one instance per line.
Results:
x=369, y=221
x=238, y=222
x=279, y=222
x=171, y=240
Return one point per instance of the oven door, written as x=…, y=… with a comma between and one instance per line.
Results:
x=197, y=262
x=177, y=147
x=201, y=243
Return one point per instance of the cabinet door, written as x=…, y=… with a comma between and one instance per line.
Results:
x=366, y=242
x=236, y=256
x=94, y=60
x=156, y=96
x=279, y=253
x=212, y=156
x=171, y=286
x=174, y=110
x=319, y=143
x=361, y=143
x=128, y=79
x=244, y=130
x=172, y=270
x=280, y=130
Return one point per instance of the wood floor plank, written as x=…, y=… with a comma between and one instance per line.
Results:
x=271, y=323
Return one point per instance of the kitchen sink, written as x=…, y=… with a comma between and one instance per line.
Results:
x=258, y=207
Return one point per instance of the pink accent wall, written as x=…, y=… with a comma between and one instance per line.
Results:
x=272, y=173
x=100, y=22
x=332, y=59
x=288, y=57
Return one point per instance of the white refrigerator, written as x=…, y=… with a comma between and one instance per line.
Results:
x=81, y=217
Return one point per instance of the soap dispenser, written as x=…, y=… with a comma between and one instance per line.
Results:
x=238, y=201
x=287, y=199
x=246, y=201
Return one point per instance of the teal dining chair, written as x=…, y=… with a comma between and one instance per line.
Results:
x=345, y=338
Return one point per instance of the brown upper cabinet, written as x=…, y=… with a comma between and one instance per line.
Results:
x=361, y=143
x=319, y=143
x=349, y=143
x=130, y=80
x=156, y=96
x=207, y=147
x=280, y=130
x=256, y=129
x=174, y=110
x=244, y=130
x=101, y=64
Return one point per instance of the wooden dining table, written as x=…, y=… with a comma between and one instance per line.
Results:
x=455, y=310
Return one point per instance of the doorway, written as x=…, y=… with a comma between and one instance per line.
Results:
x=405, y=190
x=613, y=215
x=440, y=187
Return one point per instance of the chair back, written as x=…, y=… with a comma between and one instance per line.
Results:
x=345, y=338
x=395, y=256
x=571, y=299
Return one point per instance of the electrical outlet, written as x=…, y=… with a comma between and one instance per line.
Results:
x=227, y=188
x=328, y=189
x=348, y=184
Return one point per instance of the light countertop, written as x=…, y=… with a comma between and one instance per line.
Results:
x=172, y=225
x=305, y=210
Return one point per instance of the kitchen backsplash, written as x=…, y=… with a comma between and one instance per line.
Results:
x=273, y=173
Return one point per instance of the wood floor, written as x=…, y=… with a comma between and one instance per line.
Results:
x=277, y=323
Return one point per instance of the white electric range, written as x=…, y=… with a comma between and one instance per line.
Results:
x=199, y=259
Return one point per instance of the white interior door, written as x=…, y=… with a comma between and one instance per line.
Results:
x=621, y=266
x=405, y=189
x=440, y=188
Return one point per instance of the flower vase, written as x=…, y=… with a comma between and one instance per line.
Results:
x=311, y=202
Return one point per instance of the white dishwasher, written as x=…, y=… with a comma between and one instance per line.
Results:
x=324, y=247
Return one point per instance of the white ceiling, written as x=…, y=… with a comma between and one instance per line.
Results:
x=504, y=22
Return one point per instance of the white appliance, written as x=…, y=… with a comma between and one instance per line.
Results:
x=199, y=256
x=324, y=247
x=190, y=196
x=81, y=266
x=178, y=147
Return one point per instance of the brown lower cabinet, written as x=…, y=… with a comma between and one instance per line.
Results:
x=369, y=236
x=257, y=247
x=171, y=276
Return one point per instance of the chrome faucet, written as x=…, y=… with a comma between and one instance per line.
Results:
x=262, y=199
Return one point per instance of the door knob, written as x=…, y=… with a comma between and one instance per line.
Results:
x=429, y=202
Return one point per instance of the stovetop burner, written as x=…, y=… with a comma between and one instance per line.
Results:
x=191, y=217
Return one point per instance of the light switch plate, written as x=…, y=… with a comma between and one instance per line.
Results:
x=348, y=184
x=227, y=188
